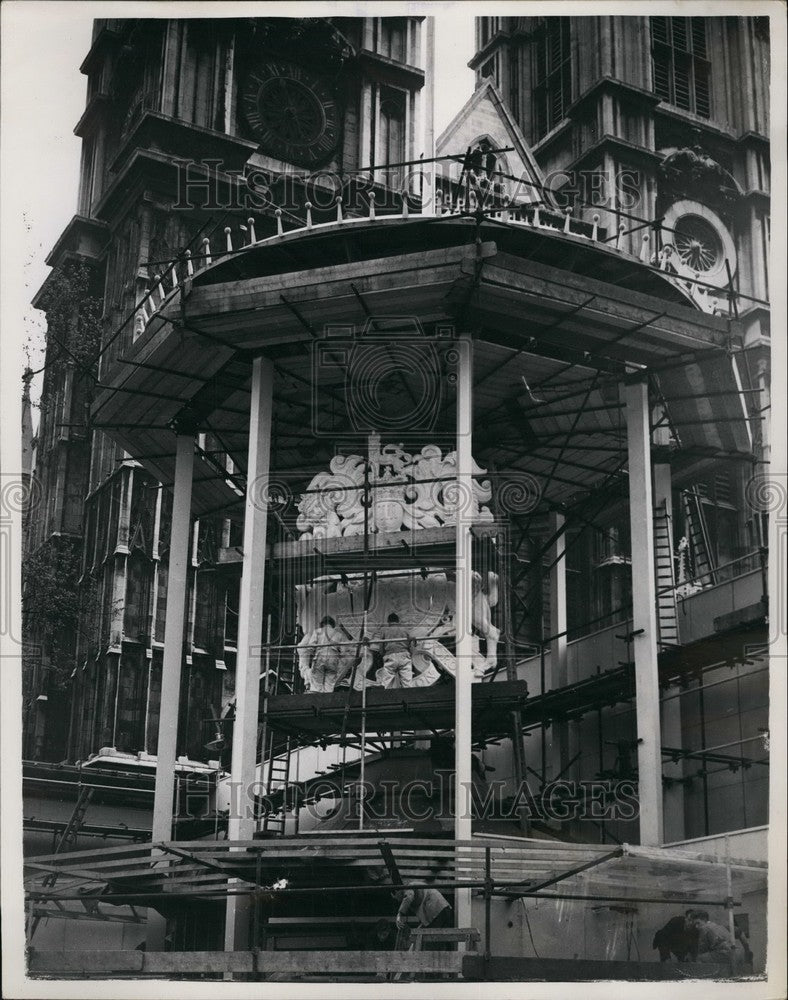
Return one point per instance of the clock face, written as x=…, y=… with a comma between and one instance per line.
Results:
x=292, y=113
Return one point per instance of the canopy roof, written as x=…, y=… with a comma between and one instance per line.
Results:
x=557, y=322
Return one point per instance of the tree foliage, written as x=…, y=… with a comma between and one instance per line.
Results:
x=73, y=317
x=53, y=602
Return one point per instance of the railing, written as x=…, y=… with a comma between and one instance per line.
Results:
x=748, y=563
x=178, y=274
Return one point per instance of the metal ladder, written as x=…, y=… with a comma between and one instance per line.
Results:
x=276, y=756
x=698, y=534
x=67, y=841
x=667, y=612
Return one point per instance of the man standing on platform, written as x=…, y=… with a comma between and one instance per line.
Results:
x=430, y=907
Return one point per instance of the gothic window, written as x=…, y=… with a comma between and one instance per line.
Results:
x=489, y=70
x=392, y=132
x=552, y=75
x=88, y=175
x=392, y=37
x=161, y=601
x=681, y=69
x=231, y=599
x=138, y=584
x=514, y=87
x=131, y=700
x=766, y=237
x=205, y=610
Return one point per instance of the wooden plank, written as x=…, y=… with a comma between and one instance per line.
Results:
x=447, y=933
x=300, y=844
x=382, y=542
x=295, y=963
x=348, y=962
x=84, y=962
x=603, y=319
x=625, y=302
x=140, y=850
x=304, y=281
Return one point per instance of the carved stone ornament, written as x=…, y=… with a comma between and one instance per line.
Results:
x=409, y=614
x=693, y=173
x=406, y=492
x=407, y=622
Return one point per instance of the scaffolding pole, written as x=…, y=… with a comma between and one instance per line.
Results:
x=463, y=613
x=241, y=822
x=171, y=663
x=644, y=600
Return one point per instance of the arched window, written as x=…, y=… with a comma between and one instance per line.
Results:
x=392, y=133
x=488, y=170
x=680, y=63
x=552, y=75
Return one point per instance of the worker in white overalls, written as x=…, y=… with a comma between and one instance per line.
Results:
x=399, y=651
x=324, y=656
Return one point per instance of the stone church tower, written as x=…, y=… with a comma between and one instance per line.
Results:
x=189, y=125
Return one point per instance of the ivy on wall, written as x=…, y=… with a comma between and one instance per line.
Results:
x=73, y=318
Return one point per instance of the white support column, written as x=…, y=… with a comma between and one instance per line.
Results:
x=365, y=151
x=171, y=664
x=558, y=668
x=558, y=604
x=241, y=824
x=670, y=727
x=428, y=106
x=463, y=614
x=644, y=611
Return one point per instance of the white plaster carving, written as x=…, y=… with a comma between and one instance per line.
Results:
x=407, y=492
x=408, y=617
x=683, y=586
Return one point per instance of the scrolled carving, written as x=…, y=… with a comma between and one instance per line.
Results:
x=406, y=492
x=409, y=621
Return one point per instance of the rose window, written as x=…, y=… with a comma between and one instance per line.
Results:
x=697, y=244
